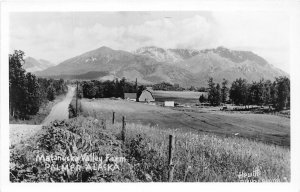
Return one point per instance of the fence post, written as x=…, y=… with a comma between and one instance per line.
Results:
x=103, y=124
x=123, y=129
x=171, y=153
x=113, y=118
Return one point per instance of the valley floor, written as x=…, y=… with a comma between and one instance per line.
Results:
x=261, y=127
x=201, y=153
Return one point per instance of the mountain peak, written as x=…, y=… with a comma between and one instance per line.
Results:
x=148, y=49
x=222, y=48
x=31, y=58
x=237, y=56
x=104, y=48
x=32, y=65
x=166, y=55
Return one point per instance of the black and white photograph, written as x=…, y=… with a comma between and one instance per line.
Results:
x=139, y=96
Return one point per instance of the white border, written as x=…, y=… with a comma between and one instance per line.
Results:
x=292, y=7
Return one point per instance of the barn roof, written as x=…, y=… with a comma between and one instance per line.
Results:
x=143, y=95
x=147, y=90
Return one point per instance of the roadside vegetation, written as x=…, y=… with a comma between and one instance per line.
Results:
x=29, y=95
x=40, y=116
x=197, y=158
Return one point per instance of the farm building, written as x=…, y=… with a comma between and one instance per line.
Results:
x=146, y=96
x=130, y=96
x=169, y=104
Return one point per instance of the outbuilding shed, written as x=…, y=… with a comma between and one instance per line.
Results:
x=169, y=104
x=130, y=96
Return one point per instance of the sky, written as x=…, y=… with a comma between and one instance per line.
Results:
x=57, y=36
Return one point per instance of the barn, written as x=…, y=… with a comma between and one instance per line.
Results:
x=130, y=96
x=146, y=96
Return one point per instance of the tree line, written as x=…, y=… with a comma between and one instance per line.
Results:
x=263, y=92
x=116, y=88
x=27, y=92
x=165, y=86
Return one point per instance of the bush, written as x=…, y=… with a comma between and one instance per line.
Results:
x=148, y=165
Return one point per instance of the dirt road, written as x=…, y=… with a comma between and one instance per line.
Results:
x=21, y=132
x=60, y=110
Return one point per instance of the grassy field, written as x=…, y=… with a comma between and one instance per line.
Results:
x=183, y=97
x=197, y=157
x=210, y=146
x=260, y=127
x=210, y=158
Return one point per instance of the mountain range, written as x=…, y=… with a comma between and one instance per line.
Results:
x=149, y=65
x=33, y=65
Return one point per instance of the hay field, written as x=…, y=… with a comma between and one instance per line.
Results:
x=260, y=127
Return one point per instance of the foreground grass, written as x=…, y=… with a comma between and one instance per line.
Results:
x=206, y=157
x=197, y=158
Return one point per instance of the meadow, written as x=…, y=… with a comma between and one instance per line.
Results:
x=260, y=127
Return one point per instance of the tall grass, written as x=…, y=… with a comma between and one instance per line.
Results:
x=197, y=158
x=207, y=157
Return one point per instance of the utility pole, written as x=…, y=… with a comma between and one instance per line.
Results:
x=136, y=85
x=76, y=96
x=136, y=90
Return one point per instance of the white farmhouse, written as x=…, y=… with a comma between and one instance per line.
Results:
x=169, y=104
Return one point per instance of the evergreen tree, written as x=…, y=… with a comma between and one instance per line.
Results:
x=214, y=93
x=267, y=92
x=51, y=93
x=217, y=97
x=202, y=99
x=33, y=101
x=283, y=89
x=239, y=92
x=224, y=91
x=17, y=88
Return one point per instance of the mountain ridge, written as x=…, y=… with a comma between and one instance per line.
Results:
x=33, y=65
x=187, y=67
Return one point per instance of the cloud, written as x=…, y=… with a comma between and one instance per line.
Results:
x=194, y=32
x=265, y=33
x=55, y=40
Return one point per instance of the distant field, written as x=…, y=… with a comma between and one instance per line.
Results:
x=182, y=97
x=260, y=127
